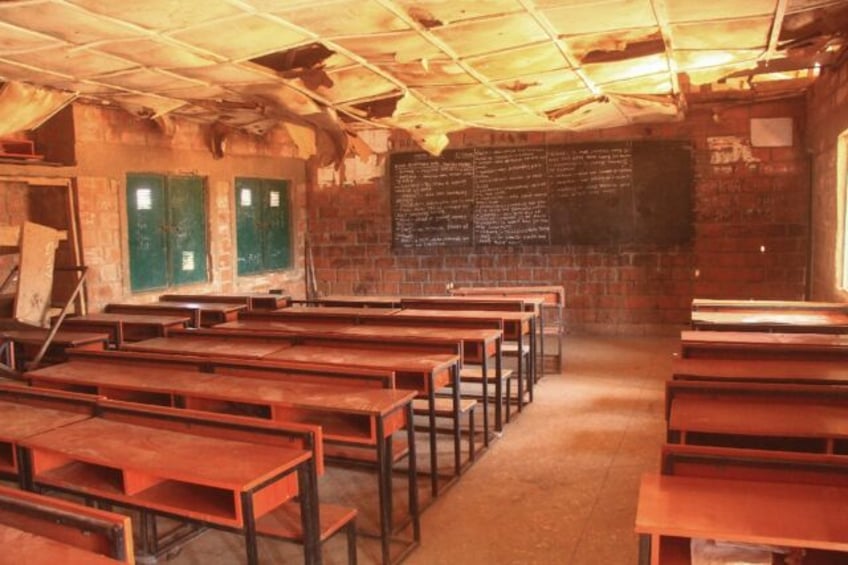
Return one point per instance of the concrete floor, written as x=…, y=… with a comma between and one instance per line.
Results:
x=559, y=487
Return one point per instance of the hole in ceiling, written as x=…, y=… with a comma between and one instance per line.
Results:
x=424, y=17
x=379, y=108
x=650, y=45
x=305, y=63
x=518, y=86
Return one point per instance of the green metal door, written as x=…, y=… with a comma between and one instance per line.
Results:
x=277, y=248
x=248, y=220
x=146, y=223
x=187, y=233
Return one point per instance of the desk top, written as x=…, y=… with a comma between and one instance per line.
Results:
x=766, y=415
x=166, y=454
x=760, y=305
x=772, y=319
x=65, y=338
x=23, y=547
x=372, y=358
x=774, y=339
x=18, y=421
x=412, y=331
x=388, y=301
x=835, y=372
x=353, y=400
x=129, y=319
x=206, y=306
x=796, y=515
x=328, y=311
x=211, y=346
x=506, y=316
x=293, y=326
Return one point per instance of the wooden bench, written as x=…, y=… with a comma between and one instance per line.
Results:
x=783, y=417
x=159, y=309
x=126, y=327
x=48, y=529
x=726, y=305
x=782, y=321
x=25, y=343
x=761, y=370
x=760, y=345
x=444, y=409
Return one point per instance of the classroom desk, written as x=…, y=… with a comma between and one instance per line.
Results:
x=478, y=345
x=343, y=312
x=785, y=321
x=126, y=327
x=817, y=425
x=761, y=370
x=762, y=345
x=30, y=340
x=38, y=529
x=240, y=348
x=722, y=305
x=516, y=326
x=252, y=301
x=357, y=301
x=212, y=313
x=25, y=547
x=783, y=514
x=347, y=415
x=221, y=482
x=423, y=372
x=18, y=422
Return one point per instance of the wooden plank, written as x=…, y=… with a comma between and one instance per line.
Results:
x=35, y=279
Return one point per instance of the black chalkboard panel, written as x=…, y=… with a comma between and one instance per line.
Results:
x=596, y=194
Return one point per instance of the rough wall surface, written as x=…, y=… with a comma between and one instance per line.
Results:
x=751, y=233
x=827, y=111
x=111, y=143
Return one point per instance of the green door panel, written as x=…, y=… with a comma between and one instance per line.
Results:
x=277, y=244
x=187, y=233
x=146, y=223
x=248, y=221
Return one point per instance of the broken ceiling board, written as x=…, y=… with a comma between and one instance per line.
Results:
x=460, y=95
x=617, y=45
x=472, y=113
x=688, y=60
x=522, y=61
x=516, y=122
x=434, y=13
x=543, y=85
x=594, y=115
x=484, y=36
x=10, y=71
x=76, y=63
x=65, y=22
x=577, y=18
x=718, y=9
x=25, y=107
x=228, y=74
x=430, y=72
x=161, y=14
x=148, y=79
x=345, y=18
x=246, y=36
x=357, y=83
x=656, y=84
x=751, y=33
x=147, y=106
x=35, y=274
x=391, y=47
x=603, y=73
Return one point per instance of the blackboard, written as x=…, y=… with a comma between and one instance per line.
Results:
x=595, y=194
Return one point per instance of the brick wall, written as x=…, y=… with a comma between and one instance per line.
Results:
x=751, y=234
x=827, y=111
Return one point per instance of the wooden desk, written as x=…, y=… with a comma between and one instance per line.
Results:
x=516, y=325
x=781, y=417
x=252, y=301
x=19, y=421
x=783, y=514
x=761, y=370
x=723, y=305
x=227, y=346
x=50, y=531
x=212, y=313
x=478, y=345
x=220, y=482
x=760, y=345
x=28, y=342
x=347, y=415
x=344, y=312
x=126, y=327
x=773, y=320
x=424, y=373
x=358, y=301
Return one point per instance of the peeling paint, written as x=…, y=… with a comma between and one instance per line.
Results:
x=728, y=149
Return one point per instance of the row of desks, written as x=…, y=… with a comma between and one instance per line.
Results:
x=775, y=409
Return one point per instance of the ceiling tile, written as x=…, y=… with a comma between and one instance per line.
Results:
x=718, y=9
x=161, y=14
x=77, y=63
x=146, y=80
x=240, y=38
x=519, y=62
x=228, y=73
x=400, y=47
x=603, y=73
x=592, y=17
x=153, y=52
x=64, y=22
x=542, y=85
x=494, y=34
x=358, y=83
x=430, y=72
x=445, y=12
x=459, y=95
x=659, y=83
x=749, y=33
x=14, y=39
x=345, y=18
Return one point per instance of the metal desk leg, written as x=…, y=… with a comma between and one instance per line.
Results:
x=434, y=463
x=412, y=476
x=457, y=432
x=384, y=489
x=307, y=486
x=484, y=369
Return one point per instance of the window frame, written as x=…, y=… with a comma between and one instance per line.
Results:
x=270, y=248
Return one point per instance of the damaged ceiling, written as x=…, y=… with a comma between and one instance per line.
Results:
x=429, y=67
